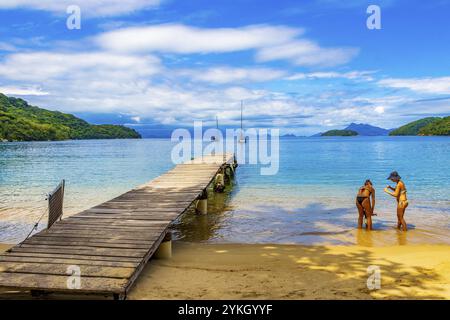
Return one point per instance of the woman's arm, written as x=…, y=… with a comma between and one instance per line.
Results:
x=396, y=192
x=373, y=199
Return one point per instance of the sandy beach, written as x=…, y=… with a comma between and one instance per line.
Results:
x=257, y=271
x=241, y=271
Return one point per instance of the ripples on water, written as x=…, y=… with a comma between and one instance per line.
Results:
x=310, y=200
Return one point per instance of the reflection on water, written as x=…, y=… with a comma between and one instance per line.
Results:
x=310, y=200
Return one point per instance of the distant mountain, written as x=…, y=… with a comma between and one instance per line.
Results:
x=431, y=126
x=367, y=130
x=361, y=129
x=289, y=135
x=340, y=133
x=21, y=122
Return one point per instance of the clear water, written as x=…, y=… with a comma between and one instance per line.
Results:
x=310, y=200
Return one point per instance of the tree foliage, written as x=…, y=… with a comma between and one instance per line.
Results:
x=21, y=122
x=428, y=126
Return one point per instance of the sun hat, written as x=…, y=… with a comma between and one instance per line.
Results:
x=394, y=175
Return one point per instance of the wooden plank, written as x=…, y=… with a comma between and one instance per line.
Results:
x=90, y=239
x=124, y=218
x=101, y=233
x=135, y=216
x=72, y=256
x=62, y=269
x=65, y=243
x=118, y=228
x=20, y=259
x=51, y=282
x=125, y=253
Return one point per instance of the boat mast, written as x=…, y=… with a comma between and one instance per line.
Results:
x=242, y=140
x=242, y=102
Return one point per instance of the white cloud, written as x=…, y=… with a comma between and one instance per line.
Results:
x=89, y=8
x=269, y=42
x=422, y=85
x=22, y=91
x=307, y=53
x=7, y=47
x=177, y=38
x=222, y=75
x=379, y=109
x=44, y=66
x=351, y=75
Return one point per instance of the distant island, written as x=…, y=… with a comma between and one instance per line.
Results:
x=361, y=129
x=432, y=126
x=289, y=135
x=339, y=133
x=21, y=122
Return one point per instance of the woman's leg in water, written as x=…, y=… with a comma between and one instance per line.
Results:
x=401, y=218
x=361, y=215
x=368, y=211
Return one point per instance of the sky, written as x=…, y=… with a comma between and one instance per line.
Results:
x=301, y=66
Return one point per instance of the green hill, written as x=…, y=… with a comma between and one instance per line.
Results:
x=21, y=122
x=340, y=133
x=427, y=126
x=440, y=127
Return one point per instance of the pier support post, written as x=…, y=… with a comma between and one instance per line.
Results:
x=164, y=250
x=229, y=173
x=202, y=203
x=219, y=183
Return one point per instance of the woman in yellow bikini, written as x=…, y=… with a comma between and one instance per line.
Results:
x=363, y=203
x=399, y=192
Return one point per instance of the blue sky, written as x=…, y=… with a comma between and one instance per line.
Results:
x=302, y=66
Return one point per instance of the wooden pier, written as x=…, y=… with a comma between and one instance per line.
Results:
x=111, y=243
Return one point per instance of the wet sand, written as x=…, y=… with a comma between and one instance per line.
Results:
x=256, y=271
x=242, y=271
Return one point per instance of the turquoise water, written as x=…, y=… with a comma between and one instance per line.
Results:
x=310, y=200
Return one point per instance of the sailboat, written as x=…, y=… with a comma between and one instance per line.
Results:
x=242, y=138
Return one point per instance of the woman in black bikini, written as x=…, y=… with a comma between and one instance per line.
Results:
x=364, y=205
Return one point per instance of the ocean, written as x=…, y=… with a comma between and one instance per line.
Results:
x=311, y=200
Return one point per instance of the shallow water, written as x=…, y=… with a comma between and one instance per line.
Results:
x=310, y=200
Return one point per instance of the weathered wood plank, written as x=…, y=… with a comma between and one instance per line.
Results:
x=89, y=239
x=102, y=233
x=62, y=269
x=71, y=256
x=105, y=227
x=79, y=243
x=51, y=282
x=125, y=253
x=52, y=260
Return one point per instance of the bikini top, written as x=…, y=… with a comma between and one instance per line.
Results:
x=364, y=188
